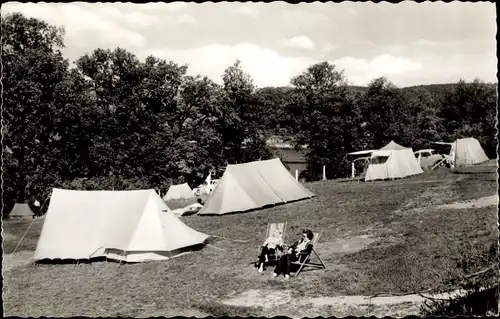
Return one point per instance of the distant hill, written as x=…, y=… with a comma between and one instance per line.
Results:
x=436, y=89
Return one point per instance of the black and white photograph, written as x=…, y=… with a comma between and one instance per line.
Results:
x=249, y=159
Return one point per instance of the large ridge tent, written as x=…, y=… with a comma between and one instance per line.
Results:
x=181, y=191
x=392, y=161
x=133, y=226
x=465, y=151
x=21, y=211
x=254, y=185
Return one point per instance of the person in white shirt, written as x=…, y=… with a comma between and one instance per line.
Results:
x=300, y=248
x=273, y=242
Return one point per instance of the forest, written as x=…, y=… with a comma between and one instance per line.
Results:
x=111, y=121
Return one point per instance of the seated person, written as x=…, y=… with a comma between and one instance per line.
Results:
x=298, y=249
x=273, y=242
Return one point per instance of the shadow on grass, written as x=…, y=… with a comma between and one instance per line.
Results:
x=218, y=309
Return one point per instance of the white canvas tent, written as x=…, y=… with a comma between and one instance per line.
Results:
x=21, y=211
x=133, y=226
x=465, y=151
x=181, y=191
x=367, y=154
x=392, y=161
x=254, y=185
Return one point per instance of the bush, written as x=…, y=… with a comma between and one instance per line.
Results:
x=479, y=290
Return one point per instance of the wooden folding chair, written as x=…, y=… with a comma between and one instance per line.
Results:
x=271, y=227
x=305, y=259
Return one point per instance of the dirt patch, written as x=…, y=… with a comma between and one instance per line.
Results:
x=172, y=313
x=256, y=298
x=15, y=260
x=395, y=306
x=476, y=203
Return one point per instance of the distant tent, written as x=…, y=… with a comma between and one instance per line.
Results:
x=178, y=192
x=254, y=185
x=467, y=151
x=392, y=161
x=133, y=226
x=21, y=211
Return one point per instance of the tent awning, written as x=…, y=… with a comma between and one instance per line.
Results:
x=361, y=152
x=361, y=158
x=426, y=150
x=443, y=143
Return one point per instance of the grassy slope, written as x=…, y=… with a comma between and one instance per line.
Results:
x=415, y=247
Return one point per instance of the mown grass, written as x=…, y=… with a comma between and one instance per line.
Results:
x=415, y=246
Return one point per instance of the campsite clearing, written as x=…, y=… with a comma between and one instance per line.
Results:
x=377, y=237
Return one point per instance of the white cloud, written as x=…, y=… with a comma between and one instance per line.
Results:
x=300, y=17
x=299, y=42
x=351, y=12
x=136, y=18
x=159, y=6
x=362, y=71
x=329, y=47
x=173, y=6
x=186, y=19
x=83, y=26
x=265, y=66
x=248, y=9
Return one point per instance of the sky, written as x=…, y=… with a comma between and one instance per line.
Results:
x=409, y=43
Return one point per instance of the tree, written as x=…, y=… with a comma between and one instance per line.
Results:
x=33, y=66
x=470, y=111
x=240, y=125
x=199, y=104
x=272, y=103
x=385, y=114
x=423, y=108
x=327, y=118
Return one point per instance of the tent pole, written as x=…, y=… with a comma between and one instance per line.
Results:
x=19, y=243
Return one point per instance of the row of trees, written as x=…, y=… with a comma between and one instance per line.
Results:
x=118, y=122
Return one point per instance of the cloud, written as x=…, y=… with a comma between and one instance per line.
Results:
x=300, y=17
x=84, y=26
x=173, y=6
x=351, y=12
x=329, y=47
x=248, y=9
x=186, y=19
x=269, y=68
x=299, y=42
x=362, y=71
x=265, y=66
x=160, y=6
x=136, y=18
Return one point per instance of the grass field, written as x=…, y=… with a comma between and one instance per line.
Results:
x=376, y=237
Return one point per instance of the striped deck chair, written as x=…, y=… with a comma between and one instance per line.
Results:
x=271, y=227
x=305, y=258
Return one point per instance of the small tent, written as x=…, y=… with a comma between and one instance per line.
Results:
x=133, y=226
x=254, y=185
x=181, y=191
x=392, y=161
x=467, y=151
x=21, y=211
